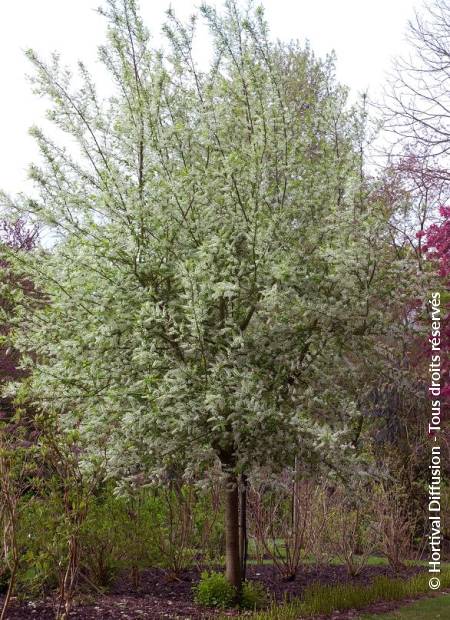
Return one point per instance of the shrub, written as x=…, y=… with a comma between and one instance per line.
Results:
x=209, y=527
x=394, y=525
x=104, y=554
x=253, y=596
x=134, y=521
x=281, y=513
x=348, y=531
x=184, y=525
x=43, y=546
x=214, y=590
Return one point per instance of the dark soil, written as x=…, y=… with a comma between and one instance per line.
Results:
x=160, y=596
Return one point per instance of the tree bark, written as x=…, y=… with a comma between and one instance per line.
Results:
x=243, y=538
x=232, y=559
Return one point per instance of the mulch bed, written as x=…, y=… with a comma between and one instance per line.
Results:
x=159, y=597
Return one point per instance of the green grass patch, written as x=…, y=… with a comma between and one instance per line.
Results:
x=373, y=560
x=427, y=609
x=318, y=599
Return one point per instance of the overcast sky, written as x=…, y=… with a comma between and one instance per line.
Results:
x=365, y=35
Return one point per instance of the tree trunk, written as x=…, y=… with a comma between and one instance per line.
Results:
x=243, y=538
x=232, y=559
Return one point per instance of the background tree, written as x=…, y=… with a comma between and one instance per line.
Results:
x=18, y=237
x=437, y=248
x=418, y=105
x=418, y=113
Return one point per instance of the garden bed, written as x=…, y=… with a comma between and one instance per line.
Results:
x=160, y=597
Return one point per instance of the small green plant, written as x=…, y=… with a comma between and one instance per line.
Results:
x=214, y=590
x=253, y=596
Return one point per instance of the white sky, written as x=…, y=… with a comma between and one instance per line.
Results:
x=364, y=33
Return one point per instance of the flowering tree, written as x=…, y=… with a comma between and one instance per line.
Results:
x=437, y=249
x=18, y=237
x=211, y=264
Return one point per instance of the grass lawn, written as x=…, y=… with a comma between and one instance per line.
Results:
x=427, y=609
x=374, y=560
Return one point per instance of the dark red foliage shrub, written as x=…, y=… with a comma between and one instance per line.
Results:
x=437, y=249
